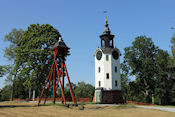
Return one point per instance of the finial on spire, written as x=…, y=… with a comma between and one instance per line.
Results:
x=106, y=22
x=60, y=39
x=60, y=43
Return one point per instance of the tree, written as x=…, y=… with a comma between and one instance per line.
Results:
x=140, y=59
x=135, y=92
x=81, y=90
x=172, y=67
x=33, y=57
x=67, y=90
x=173, y=50
x=13, y=37
x=6, y=92
x=172, y=94
x=84, y=90
x=20, y=90
x=163, y=79
x=124, y=81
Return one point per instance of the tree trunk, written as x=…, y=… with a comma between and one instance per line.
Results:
x=147, y=96
x=33, y=95
x=29, y=92
x=12, y=90
x=11, y=97
x=152, y=98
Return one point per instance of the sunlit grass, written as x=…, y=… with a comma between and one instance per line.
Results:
x=124, y=106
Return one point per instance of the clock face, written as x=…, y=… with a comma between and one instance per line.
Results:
x=115, y=54
x=99, y=55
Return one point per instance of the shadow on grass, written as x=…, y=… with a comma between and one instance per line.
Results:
x=50, y=104
x=14, y=106
x=36, y=105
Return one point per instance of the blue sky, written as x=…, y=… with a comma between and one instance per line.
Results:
x=80, y=23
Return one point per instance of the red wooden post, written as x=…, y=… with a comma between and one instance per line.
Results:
x=62, y=81
x=58, y=78
x=54, y=85
x=72, y=94
x=62, y=93
x=55, y=57
x=46, y=83
x=48, y=87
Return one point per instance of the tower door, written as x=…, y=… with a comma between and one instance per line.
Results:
x=98, y=97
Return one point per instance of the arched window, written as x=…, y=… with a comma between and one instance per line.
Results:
x=115, y=69
x=103, y=43
x=99, y=83
x=107, y=75
x=99, y=70
x=110, y=43
x=107, y=57
x=116, y=83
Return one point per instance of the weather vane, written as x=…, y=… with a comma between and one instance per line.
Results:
x=105, y=12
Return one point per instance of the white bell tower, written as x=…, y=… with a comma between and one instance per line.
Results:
x=107, y=66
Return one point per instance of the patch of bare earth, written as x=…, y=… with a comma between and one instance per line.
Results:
x=24, y=109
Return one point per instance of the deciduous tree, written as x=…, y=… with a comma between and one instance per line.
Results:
x=140, y=58
x=13, y=37
x=33, y=56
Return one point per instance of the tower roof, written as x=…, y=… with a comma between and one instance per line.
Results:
x=107, y=37
x=62, y=48
x=60, y=43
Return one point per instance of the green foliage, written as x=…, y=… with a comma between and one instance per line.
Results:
x=6, y=92
x=13, y=37
x=18, y=92
x=124, y=85
x=19, y=89
x=29, y=52
x=84, y=90
x=152, y=68
x=3, y=70
x=172, y=94
x=162, y=92
x=124, y=81
x=10, y=73
x=140, y=60
x=66, y=90
x=172, y=65
x=173, y=45
x=33, y=56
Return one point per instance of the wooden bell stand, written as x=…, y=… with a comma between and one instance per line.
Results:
x=63, y=52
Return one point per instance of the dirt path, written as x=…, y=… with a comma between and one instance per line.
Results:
x=169, y=109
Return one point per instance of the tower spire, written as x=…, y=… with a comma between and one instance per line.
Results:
x=107, y=37
x=106, y=30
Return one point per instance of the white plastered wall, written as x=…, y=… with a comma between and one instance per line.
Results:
x=107, y=67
